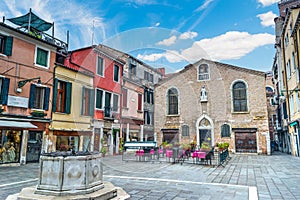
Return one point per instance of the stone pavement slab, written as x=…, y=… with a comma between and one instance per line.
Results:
x=243, y=177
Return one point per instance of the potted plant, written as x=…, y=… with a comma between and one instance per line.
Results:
x=226, y=145
x=216, y=147
x=103, y=151
x=205, y=147
x=169, y=146
x=193, y=145
x=164, y=144
x=121, y=146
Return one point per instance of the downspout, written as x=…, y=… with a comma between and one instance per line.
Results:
x=53, y=82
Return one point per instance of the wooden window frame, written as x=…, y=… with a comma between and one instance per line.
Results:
x=173, y=101
x=61, y=96
x=185, y=130
x=203, y=76
x=239, y=97
x=225, y=130
x=37, y=53
x=116, y=75
x=100, y=67
x=140, y=98
x=124, y=97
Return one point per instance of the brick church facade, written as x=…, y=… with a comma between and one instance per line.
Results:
x=213, y=102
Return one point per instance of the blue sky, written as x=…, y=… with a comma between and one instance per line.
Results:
x=164, y=33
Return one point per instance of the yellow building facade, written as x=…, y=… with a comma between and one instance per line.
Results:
x=291, y=75
x=72, y=112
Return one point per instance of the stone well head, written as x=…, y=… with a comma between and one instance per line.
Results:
x=64, y=174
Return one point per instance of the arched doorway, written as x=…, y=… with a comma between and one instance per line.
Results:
x=205, y=131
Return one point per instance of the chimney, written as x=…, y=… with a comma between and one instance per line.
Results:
x=162, y=71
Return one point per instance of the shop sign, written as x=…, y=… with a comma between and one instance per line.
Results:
x=17, y=101
x=294, y=123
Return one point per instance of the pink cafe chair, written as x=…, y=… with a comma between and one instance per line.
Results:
x=139, y=154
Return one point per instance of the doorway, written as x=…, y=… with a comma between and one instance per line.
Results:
x=205, y=136
x=245, y=142
x=34, y=146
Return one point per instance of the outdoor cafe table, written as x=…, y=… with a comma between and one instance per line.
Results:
x=169, y=153
x=198, y=155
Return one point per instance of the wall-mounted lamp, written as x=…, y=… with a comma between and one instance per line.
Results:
x=22, y=83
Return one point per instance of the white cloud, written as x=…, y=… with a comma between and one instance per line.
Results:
x=170, y=55
x=80, y=24
x=267, y=19
x=267, y=2
x=151, y=57
x=188, y=35
x=167, y=42
x=231, y=45
x=204, y=5
x=11, y=5
x=173, y=56
x=142, y=2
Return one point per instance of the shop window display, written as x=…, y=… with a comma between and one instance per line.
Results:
x=10, y=145
x=67, y=143
x=86, y=143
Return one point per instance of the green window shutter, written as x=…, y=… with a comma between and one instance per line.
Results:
x=145, y=94
x=148, y=117
x=99, y=95
x=100, y=66
x=148, y=96
x=116, y=73
x=92, y=102
x=68, y=97
x=4, y=91
x=31, y=96
x=46, y=98
x=54, y=100
x=42, y=57
x=8, y=45
x=152, y=97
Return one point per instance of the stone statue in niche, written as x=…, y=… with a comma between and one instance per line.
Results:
x=203, y=94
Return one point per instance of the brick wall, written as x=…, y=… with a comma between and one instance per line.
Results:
x=218, y=108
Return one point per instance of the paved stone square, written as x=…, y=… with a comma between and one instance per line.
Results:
x=243, y=177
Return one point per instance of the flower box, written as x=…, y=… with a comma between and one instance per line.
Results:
x=38, y=114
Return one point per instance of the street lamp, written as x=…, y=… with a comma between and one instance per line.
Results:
x=22, y=83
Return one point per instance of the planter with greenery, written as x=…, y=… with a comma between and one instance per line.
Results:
x=103, y=151
x=37, y=113
x=205, y=147
x=222, y=146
